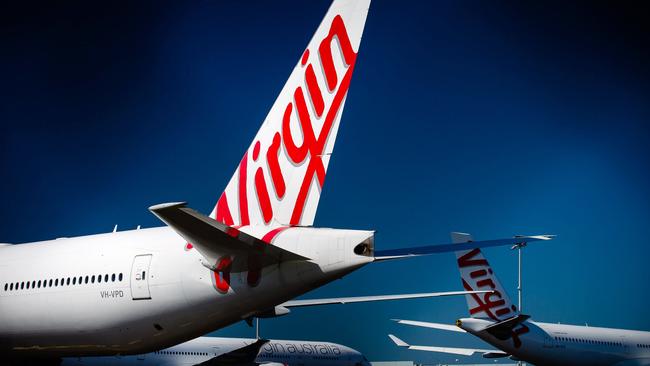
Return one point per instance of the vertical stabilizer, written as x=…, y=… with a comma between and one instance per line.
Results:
x=476, y=274
x=279, y=179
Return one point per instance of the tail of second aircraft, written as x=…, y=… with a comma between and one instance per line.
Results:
x=476, y=274
x=279, y=179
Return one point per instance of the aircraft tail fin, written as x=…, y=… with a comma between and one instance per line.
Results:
x=476, y=274
x=279, y=179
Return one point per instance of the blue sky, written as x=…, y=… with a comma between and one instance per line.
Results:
x=496, y=118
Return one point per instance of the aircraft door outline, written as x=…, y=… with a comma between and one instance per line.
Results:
x=140, y=277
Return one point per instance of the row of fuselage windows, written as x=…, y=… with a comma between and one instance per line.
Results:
x=588, y=341
x=58, y=282
x=643, y=345
x=182, y=353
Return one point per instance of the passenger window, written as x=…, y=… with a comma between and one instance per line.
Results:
x=99, y=279
x=92, y=279
x=87, y=278
x=50, y=283
x=113, y=277
x=22, y=285
x=106, y=278
x=120, y=278
x=143, y=275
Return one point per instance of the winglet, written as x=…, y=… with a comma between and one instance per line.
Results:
x=397, y=341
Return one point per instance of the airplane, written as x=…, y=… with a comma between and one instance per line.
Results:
x=134, y=292
x=206, y=351
x=496, y=320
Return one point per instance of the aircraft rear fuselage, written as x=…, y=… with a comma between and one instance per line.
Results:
x=137, y=291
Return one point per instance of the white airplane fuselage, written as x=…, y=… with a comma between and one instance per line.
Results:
x=275, y=352
x=165, y=295
x=559, y=344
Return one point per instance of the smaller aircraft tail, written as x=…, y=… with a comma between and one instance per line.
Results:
x=476, y=274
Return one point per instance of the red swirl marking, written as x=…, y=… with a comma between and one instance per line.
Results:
x=274, y=166
x=298, y=153
x=325, y=50
x=312, y=147
x=516, y=333
x=223, y=211
x=486, y=304
x=222, y=274
x=467, y=261
x=314, y=91
x=268, y=237
x=263, y=196
x=312, y=144
x=256, y=151
x=243, y=198
x=305, y=57
x=478, y=273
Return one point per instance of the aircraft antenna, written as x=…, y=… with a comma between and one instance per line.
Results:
x=115, y=228
x=257, y=328
x=519, y=247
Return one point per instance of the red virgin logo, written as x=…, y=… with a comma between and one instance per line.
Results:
x=492, y=304
x=309, y=151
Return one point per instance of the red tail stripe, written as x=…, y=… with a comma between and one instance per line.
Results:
x=263, y=196
x=274, y=166
x=243, y=197
x=268, y=238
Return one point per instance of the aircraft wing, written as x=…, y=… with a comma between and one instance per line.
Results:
x=349, y=300
x=382, y=255
x=214, y=239
x=241, y=356
x=486, y=353
x=441, y=326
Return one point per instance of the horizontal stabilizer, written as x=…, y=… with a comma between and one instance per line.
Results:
x=503, y=329
x=241, y=356
x=214, y=240
x=450, y=350
x=354, y=299
x=445, y=248
x=448, y=327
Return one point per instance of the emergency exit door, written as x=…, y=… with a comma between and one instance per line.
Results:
x=140, y=277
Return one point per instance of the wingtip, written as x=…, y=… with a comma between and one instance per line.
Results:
x=397, y=341
x=162, y=206
x=537, y=237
